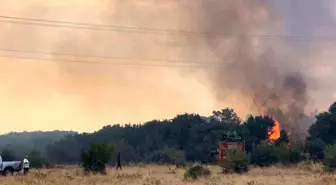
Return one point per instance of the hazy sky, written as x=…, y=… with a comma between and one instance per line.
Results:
x=48, y=95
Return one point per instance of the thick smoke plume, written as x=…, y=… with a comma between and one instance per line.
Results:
x=285, y=77
x=266, y=65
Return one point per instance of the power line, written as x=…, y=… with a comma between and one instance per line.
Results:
x=107, y=63
x=102, y=57
x=221, y=65
x=106, y=27
x=76, y=27
x=75, y=23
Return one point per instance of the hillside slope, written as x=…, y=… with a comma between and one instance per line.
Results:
x=23, y=142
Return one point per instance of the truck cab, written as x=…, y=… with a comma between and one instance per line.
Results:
x=9, y=167
x=230, y=141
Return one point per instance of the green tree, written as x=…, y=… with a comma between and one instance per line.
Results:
x=21, y=143
x=264, y=155
x=332, y=108
x=226, y=116
x=256, y=130
x=95, y=159
x=325, y=126
x=191, y=133
x=7, y=155
x=235, y=162
x=315, y=148
x=330, y=158
x=290, y=155
x=60, y=152
x=182, y=128
x=36, y=160
x=167, y=156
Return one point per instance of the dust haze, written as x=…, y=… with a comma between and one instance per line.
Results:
x=288, y=78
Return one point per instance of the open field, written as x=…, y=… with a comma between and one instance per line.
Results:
x=161, y=175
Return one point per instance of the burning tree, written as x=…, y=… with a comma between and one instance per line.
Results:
x=274, y=132
x=255, y=130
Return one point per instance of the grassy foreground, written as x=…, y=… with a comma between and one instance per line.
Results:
x=162, y=175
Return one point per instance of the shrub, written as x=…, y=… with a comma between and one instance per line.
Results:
x=36, y=159
x=316, y=148
x=196, y=171
x=236, y=162
x=48, y=164
x=290, y=155
x=7, y=155
x=96, y=158
x=167, y=156
x=264, y=155
x=330, y=158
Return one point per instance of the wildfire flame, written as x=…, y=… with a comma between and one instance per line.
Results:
x=274, y=134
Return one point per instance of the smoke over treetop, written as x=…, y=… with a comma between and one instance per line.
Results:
x=271, y=72
x=254, y=75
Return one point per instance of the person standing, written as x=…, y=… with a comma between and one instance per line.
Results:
x=25, y=166
x=118, y=161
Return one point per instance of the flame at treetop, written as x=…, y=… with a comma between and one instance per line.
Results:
x=274, y=134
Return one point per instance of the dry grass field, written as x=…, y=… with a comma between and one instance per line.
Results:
x=162, y=175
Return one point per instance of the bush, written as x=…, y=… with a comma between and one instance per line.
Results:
x=316, y=148
x=7, y=155
x=236, y=162
x=48, y=164
x=264, y=155
x=38, y=161
x=330, y=158
x=196, y=171
x=96, y=158
x=291, y=155
x=167, y=156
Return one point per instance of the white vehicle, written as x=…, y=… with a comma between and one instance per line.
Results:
x=9, y=167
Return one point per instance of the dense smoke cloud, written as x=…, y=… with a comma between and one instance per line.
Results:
x=273, y=73
x=257, y=75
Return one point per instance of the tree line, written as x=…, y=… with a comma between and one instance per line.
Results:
x=190, y=137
